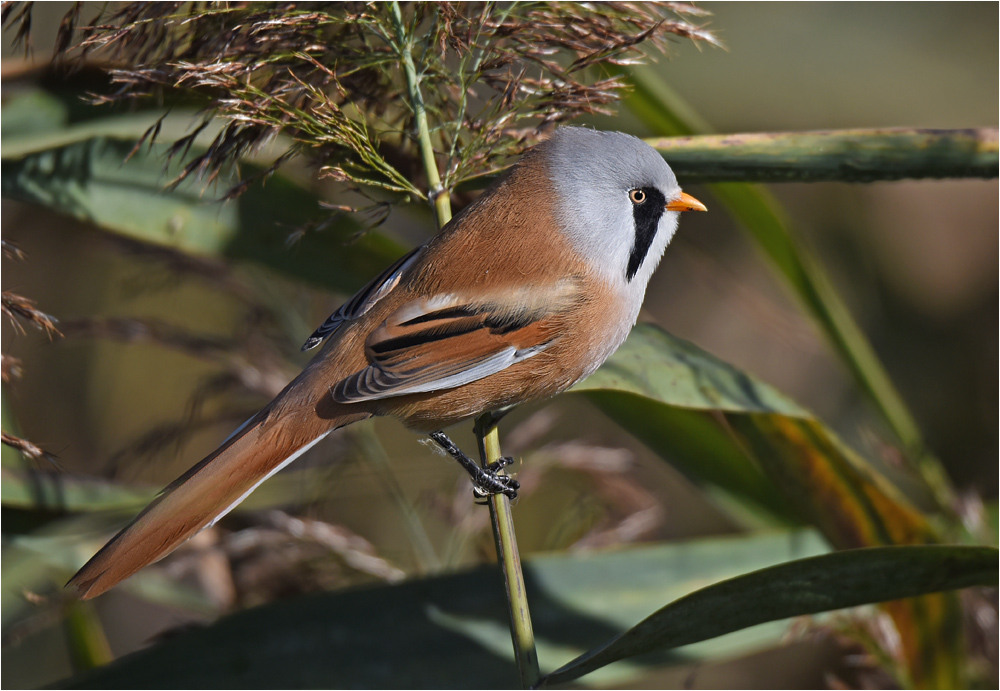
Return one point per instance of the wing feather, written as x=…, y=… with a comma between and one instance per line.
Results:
x=363, y=300
x=446, y=341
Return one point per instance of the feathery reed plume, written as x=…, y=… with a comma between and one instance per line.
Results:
x=328, y=75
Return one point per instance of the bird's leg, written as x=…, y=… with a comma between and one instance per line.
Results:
x=485, y=481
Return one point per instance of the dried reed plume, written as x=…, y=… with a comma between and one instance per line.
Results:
x=330, y=76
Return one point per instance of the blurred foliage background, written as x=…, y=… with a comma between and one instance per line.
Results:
x=916, y=262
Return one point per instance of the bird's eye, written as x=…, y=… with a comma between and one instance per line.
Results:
x=637, y=196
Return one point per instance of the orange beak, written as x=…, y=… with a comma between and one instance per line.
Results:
x=686, y=203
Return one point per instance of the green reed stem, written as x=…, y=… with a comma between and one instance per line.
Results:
x=441, y=200
x=521, y=631
x=486, y=432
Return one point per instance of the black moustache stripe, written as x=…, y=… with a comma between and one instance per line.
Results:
x=646, y=217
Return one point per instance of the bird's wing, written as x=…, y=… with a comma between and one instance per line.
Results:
x=363, y=300
x=445, y=341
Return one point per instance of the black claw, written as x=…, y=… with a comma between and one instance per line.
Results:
x=499, y=464
x=485, y=481
x=489, y=483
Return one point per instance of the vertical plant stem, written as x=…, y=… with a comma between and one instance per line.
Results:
x=486, y=431
x=404, y=41
x=521, y=631
x=87, y=643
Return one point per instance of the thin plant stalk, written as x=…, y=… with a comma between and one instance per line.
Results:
x=89, y=646
x=501, y=518
x=441, y=200
x=856, y=155
x=521, y=631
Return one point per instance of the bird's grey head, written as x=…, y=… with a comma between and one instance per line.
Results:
x=611, y=190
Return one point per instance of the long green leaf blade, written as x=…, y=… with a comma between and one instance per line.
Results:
x=452, y=630
x=91, y=180
x=806, y=586
x=667, y=392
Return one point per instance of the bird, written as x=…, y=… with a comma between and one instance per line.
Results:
x=525, y=292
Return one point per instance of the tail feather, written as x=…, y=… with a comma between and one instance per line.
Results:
x=198, y=498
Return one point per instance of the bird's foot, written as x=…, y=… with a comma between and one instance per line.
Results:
x=485, y=481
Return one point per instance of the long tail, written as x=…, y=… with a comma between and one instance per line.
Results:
x=202, y=495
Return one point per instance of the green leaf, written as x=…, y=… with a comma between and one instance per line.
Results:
x=806, y=586
x=656, y=386
x=854, y=506
x=667, y=391
x=61, y=492
x=452, y=631
x=769, y=451
x=91, y=180
x=31, y=113
x=42, y=562
x=656, y=365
